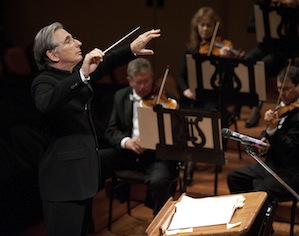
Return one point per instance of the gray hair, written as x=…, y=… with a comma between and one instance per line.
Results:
x=139, y=65
x=43, y=42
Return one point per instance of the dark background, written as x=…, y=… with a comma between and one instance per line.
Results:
x=97, y=23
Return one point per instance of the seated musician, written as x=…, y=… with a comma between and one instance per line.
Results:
x=123, y=134
x=202, y=28
x=282, y=151
x=274, y=51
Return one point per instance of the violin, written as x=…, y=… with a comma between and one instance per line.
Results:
x=159, y=98
x=218, y=44
x=152, y=100
x=285, y=110
x=232, y=50
x=204, y=47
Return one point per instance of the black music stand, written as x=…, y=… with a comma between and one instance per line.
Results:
x=226, y=81
x=231, y=80
x=278, y=22
x=195, y=136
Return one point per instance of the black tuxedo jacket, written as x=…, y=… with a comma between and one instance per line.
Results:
x=283, y=156
x=120, y=124
x=69, y=168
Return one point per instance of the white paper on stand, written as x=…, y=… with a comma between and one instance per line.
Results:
x=197, y=212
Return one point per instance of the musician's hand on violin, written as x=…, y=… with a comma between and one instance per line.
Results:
x=138, y=45
x=272, y=118
x=225, y=51
x=91, y=61
x=134, y=145
x=187, y=93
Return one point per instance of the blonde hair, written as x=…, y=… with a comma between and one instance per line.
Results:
x=195, y=39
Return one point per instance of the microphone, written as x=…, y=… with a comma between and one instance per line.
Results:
x=226, y=133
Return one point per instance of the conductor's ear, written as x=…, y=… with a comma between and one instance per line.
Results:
x=52, y=55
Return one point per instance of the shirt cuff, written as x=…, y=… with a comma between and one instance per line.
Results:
x=123, y=141
x=270, y=132
x=84, y=80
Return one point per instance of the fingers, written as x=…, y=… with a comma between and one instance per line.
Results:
x=91, y=61
x=139, y=44
x=133, y=144
x=189, y=94
x=96, y=55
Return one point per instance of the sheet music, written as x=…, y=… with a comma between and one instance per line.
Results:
x=148, y=128
x=242, y=72
x=192, y=212
x=149, y=131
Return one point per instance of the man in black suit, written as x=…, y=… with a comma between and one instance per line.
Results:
x=123, y=134
x=69, y=162
x=282, y=151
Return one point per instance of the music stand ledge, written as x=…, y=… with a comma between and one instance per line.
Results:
x=246, y=215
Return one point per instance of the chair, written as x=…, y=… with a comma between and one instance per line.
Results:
x=129, y=177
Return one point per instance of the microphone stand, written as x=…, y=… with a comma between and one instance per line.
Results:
x=267, y=168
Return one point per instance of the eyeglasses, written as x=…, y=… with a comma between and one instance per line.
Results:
x=69, y=40
x=142, y=82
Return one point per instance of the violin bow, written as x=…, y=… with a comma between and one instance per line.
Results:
x=162, y=84
x=122, y=39
x=213, y=38
x=284, y=80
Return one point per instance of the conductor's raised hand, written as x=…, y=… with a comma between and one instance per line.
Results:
x=138, y=46
x=91, y=61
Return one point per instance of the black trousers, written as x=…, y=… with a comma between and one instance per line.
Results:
x=158, y=173
x=69, y=218
x=254, y=177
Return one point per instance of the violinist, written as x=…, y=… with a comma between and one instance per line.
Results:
x=203, y=26
x=274, y=51
x=123, y=134
x=282, y=151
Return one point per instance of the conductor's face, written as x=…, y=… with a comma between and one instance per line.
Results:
x=142, y=83
x=67, y=52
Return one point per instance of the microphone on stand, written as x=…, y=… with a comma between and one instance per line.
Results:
x=247, y=140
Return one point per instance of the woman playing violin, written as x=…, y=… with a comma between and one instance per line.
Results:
x=203, y=27
x=201, y=31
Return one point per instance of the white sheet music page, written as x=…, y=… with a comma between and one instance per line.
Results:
x=198, y=212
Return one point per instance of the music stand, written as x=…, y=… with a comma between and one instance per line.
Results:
x=226, y=80
x=195, y=136
x=277, y=22
x=268, y=23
